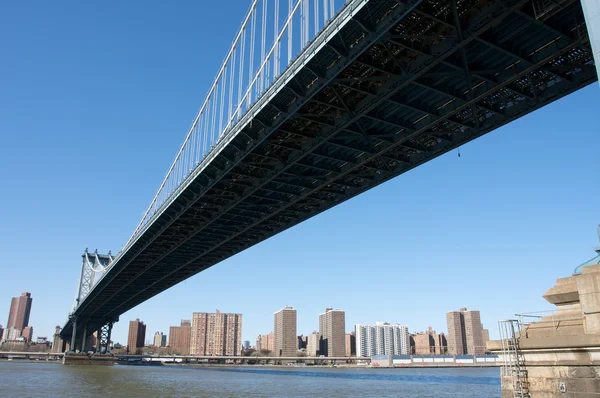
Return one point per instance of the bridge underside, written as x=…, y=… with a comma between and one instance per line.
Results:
x=393, y=88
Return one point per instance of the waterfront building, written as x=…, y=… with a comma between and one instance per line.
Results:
x=313, y=347
x=11, y=334
x=332, y=326
x=1, y=333
x=350, y=344
x=265, y=342
x=27, y=333
x=485, y=336
x=465, y=332
x=382, y=339
x=302, y=342
x=246, y=344
x=180, y=337
x=216, y=333
x=428, y=343
x=20, y=308
x=160, y=339
x=284, y=331
x=136, y=337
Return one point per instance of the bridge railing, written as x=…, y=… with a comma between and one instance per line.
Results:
x=272, y=34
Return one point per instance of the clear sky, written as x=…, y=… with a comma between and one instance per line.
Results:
x=95, y=99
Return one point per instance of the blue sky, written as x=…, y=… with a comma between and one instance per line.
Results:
x=96, y=98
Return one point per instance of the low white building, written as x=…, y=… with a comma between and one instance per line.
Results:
x=382, y=339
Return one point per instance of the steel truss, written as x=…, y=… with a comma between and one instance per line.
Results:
x=399, y=84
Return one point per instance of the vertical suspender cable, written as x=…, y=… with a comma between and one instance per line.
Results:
x=325, y=11
x=230, y=93
x=316, y=18
x=306, y=21
x=241, y=76
x=222, y=110
x=289, y=32
x=275, y=34
x=252, y=38
x=263, y=44
x=331, y=8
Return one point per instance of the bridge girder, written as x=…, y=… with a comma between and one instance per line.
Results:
x=406, y=84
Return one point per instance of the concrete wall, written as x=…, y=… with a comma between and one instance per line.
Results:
x=545, y=382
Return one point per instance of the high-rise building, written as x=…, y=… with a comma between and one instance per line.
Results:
x=284, y=331
x=382, y=339
x=265, y=342
x=216, y=334
x=313, y=346
x=180, y=337
x=485, y=336
x=20, y=308
x=465, y=332
x=160, y=339
x=246, y=344
x=136, y=337
x=302, y=342
x=350, y=344
x=27, y=333
x=332, y=326
x=428, y=343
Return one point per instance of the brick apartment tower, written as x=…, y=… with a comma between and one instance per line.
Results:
x=465, y=332
x=180, y=336
x=20, y=308
x=286, y=340
x=350, y=344
x=332, y=327
x=265, y=342
x=136, y=336
x=216, y=334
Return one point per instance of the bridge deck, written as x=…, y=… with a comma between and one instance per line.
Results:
x=388, y=86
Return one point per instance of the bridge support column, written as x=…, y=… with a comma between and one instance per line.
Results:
x=84, y=338
x=99, y=341
x=110, y=325
x=73, y=335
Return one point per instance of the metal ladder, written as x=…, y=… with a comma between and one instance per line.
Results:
x=514, y=364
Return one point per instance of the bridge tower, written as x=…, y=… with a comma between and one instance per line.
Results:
x=93, y=267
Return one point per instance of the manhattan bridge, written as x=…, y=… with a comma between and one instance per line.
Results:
x=318, y=101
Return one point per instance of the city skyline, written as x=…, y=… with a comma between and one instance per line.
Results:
x=505, y=195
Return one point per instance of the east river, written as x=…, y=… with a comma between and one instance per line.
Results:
x=50, y=380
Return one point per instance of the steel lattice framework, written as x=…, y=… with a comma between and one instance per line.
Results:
x=386, y=86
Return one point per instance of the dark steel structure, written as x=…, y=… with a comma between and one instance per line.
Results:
x=402, y=83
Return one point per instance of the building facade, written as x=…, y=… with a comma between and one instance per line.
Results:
x=180, y=337
x=160, y=339
x=428, y=343
x=465, y=332
x=313, y=346
x=136, y=337
x=332, y=327
x=265, y=342
x=284, y=331
x=27, y=333
x=302, y=342
x=216, y=334
x=350, y=344
x=20, y=309
x=382, y=339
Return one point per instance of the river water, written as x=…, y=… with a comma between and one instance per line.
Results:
x=49, y=380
